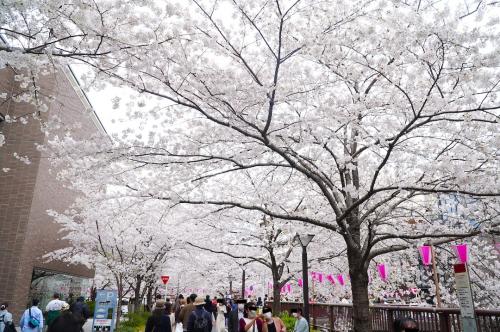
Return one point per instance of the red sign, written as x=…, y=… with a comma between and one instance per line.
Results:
x=165, y=279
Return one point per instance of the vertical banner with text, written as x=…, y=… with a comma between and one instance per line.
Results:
x=464, y=295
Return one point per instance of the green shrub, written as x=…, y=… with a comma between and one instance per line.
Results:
x=135, y=322
x=288, y=320
x=91, y=305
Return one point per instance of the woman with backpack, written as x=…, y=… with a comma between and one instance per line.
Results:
x=159, y=321
x=32, y=319
x=6, y=323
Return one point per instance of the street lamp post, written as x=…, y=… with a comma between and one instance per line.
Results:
x=243, y=284
x=304, y=241
x=231, y=279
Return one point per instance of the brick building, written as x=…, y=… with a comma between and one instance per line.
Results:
x=27, y=191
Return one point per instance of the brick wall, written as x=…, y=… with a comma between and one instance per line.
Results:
x=28, y=191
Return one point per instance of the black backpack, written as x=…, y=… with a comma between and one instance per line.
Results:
x=8, y=326
x=200, y=322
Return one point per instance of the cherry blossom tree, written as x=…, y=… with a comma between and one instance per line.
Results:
x=352, y=116
x=266, y=242
x=120, y=237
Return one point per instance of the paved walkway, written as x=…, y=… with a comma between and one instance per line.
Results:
x=88, y=326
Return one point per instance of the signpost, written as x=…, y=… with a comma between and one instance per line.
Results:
x=105, y=311
x=165, y=280
x=464, y=295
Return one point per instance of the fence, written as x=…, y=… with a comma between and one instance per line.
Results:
x=338, y=317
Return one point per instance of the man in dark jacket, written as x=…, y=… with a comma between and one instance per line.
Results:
x=65, y=322
x=159, y=321
x=200, y=320
x=81, y=310
x=236, y=313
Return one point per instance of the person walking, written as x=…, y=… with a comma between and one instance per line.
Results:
x=274, y=324
x=159, y=321
x=220, y=321
x=301, y=324
x=170, y=314
x=32, y=318
x=157, y=298
x=200, y=320
x=186, y=311
x=66, y=321
x=81, y=310
x=209, y=307
x=177, y=303
x=54, y=308
x=182, y=304
x=237, y=312
x=6, y=322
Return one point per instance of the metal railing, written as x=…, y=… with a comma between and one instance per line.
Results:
x=338, y=317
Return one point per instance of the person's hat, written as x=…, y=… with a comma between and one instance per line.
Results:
x=252, y=306
x=266, y=309
x=160, y=304
x=199, y=301
x=65, y=307
x=241, y=301
x=220, y=300
x=294, y=310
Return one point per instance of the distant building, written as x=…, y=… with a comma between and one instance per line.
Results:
x=27, y=191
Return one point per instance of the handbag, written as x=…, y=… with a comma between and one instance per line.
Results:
x=33, y=322
x=9, y=327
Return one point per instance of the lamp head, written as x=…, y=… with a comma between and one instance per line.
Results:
x=305, y=239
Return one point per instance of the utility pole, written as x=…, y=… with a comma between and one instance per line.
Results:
x=243, y=284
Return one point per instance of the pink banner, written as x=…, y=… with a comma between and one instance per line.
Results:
x=462, y=252
x=300, y=282
x=426, y=254
x=317, y=276
x=340, y=278
x=382, y=272
x=331, y=279
x=289, y=288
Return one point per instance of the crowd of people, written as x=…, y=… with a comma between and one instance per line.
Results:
x=190, y=314
x=198, y=314
x=61, y=316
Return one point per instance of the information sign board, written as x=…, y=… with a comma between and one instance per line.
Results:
x=105, y=311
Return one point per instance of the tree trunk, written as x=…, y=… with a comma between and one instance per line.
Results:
x=119, y=285
x=359, y=285
x=276, y=297
x=149, y=298
x=137, y=293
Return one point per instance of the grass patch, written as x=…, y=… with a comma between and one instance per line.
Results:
x=135, y=322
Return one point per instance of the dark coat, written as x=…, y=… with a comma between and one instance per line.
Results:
x=81, y=311
x=233, y=321
x=199, y=311
x=158, y=320
x=65, y=322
